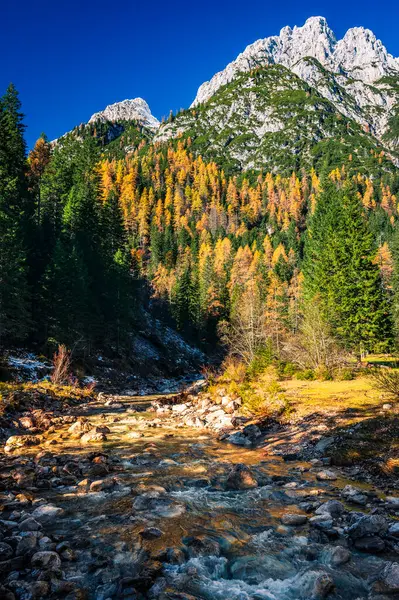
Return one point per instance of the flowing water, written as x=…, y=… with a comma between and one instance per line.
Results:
x=215, y=543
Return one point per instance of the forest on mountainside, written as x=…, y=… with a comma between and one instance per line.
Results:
x=91, y=233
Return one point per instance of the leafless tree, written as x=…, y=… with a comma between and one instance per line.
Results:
x=246, y=333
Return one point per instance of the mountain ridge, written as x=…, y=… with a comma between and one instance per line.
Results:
x=359, y=48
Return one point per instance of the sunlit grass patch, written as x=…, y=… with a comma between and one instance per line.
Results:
x=307, y=397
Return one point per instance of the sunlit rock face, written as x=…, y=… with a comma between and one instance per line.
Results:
x=357, y=63
x=128, y=110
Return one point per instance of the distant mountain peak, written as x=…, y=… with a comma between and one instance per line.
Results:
x=136, y=109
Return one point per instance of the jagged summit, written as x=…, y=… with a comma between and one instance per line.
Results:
x=359, y=55
x=136, y=109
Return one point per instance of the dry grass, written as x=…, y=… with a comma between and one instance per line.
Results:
x=58, y=392
x=308, y=397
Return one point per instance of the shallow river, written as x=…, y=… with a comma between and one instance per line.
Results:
x=213, y=543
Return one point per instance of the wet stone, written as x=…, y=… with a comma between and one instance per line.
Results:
x=6, y=551
x=388, y=583
x=355, y=495
x=94, y=435
x=102, y=485
x=21, y=441
x=331, y=507
x=151, y=533
x=293, y=519
x=368, y=525
x=370, y=544
x=339, y=556
x=46, y=559
x=240, y=478
x=326, y=475
x=47, y=513
x=323, y=586
x=26, y=544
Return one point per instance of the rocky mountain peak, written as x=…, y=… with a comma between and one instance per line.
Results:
x=358, y=55
x=136, y=109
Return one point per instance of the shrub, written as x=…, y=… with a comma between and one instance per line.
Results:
x=263, y=359
x=233, y=369
x=209, y=374
x=386, y=380
x=264, y=397
x=305, y=375
x=62, y=366
x=344, y=374
x=323, y=374
x=288, y=369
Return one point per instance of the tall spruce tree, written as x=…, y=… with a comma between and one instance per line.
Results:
x=339, y=269
x=15, y=222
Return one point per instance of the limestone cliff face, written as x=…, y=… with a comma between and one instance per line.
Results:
x=128, y=110
x=356, y=63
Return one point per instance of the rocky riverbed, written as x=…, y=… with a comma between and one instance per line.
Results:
x=123, y=497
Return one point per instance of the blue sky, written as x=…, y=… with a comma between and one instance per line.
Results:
x=70, y=59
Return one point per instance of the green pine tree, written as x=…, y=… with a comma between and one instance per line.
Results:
x=15, y=222
x=339, y=269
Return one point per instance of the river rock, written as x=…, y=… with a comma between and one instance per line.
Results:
x=368, y=525
x=322, y=521
x=294, y=519
x=252, y=432
x=370, y=543
x=389, y=580
x=394, y=500
x=47, y=513
x=46, y=559
x=332, y=507
x=26, y=544
x=26, y=422
x=240, y=478
x=353, y=494
x=6, y=551
x=81, y=426
x=323, y=444
x=394, y=529
x=29, y=524
x=239, y=439
x=94, y=435
x=326, y=475
x=151, y=533
x=339, y=556
x=102, y=484
x=323, y=586
x=21, y=441
x=146, y=501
